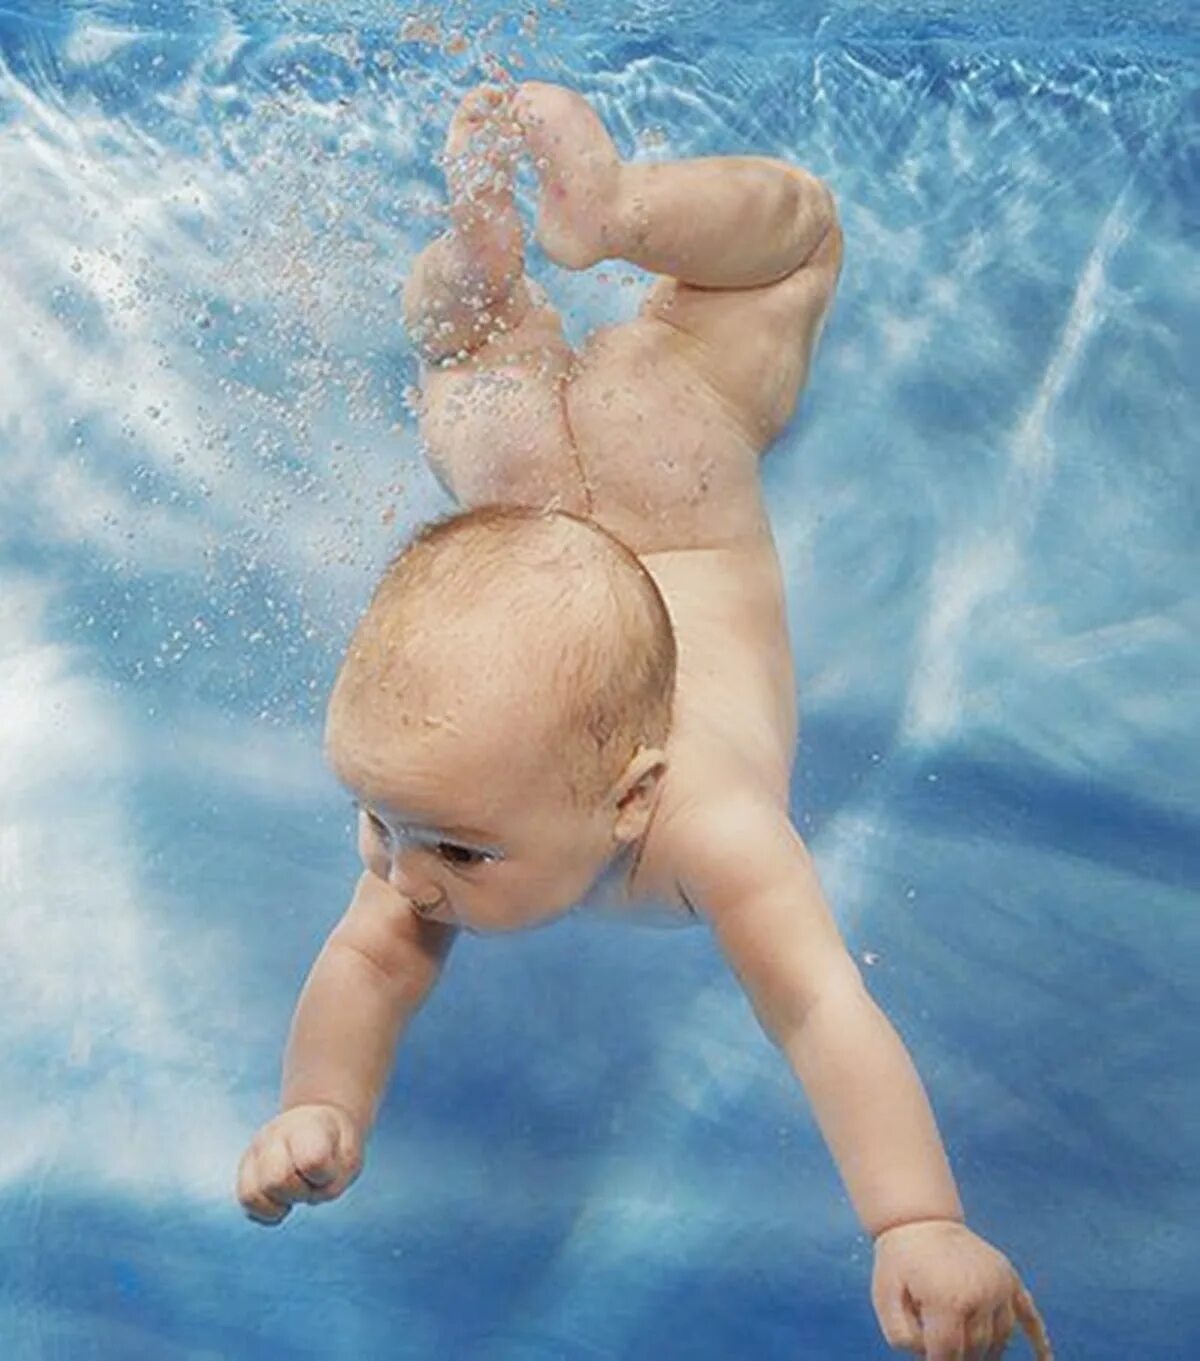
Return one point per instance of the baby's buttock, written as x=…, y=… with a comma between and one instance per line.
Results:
x=661, y=463
x=626, y=432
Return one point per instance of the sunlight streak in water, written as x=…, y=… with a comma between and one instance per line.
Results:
x=92, y=1036
x=988, y=556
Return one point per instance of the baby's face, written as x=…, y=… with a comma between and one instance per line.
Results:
x=477, y=834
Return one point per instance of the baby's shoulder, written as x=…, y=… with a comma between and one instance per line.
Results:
x=722, y=823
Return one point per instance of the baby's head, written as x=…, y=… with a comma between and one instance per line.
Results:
x=501, y=714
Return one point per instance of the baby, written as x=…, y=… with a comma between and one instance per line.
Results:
x=579, y=691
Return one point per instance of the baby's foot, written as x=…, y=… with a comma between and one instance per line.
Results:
x=579, y=170
x=480, y=154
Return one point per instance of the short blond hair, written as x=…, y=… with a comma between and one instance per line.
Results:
x=562, y=598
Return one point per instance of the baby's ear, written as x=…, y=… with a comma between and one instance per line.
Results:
x=642, y=778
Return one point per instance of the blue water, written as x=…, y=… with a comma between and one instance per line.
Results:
x=987, y=511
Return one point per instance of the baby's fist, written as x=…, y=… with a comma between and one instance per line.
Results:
x=308, y=1154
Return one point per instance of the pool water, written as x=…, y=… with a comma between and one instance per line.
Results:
x=987, y=511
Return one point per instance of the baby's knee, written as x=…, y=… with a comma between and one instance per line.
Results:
x=808, y=193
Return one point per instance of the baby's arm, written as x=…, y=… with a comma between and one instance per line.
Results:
x=936, y=1283
x=770, y=918
x=376, y=969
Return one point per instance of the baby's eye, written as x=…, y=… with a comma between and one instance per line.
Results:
x=461, y=856
x=376, y=826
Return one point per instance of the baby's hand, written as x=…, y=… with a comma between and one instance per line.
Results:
x=308, y=1154
x=941, y=1291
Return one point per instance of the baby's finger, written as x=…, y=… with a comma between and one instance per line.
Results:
x=979, y=1335
x=943, y=1333
x=313, y=1149
x=281, y=1182
x=1002, y=1326
x=252, y=1193
x=900, y=1325
x=1029, y=1319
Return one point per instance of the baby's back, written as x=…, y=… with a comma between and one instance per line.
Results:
x=668, y=469
x=667, y=466
x=734, y=719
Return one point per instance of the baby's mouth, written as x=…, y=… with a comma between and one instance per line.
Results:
x=428, y=909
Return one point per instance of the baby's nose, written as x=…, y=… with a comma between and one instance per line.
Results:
x=405, y=874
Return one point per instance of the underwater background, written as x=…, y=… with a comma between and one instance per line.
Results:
x=987, y=511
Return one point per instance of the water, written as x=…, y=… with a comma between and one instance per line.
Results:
x=987, y=512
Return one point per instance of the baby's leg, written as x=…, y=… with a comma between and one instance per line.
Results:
x=715, y=221
x=493, y=354
x=749, y=245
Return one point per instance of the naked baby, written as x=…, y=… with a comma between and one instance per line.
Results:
x=579, y=690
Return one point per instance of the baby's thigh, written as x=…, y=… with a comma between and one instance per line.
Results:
x=754, y=345
x=493, y=424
